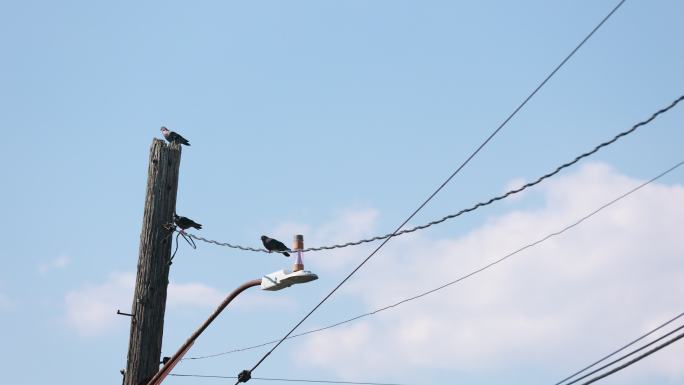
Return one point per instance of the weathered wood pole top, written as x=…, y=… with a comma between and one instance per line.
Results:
x=149, y=300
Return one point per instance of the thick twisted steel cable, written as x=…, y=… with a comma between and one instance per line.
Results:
x=477, y=150
x=476, y=206
x=472, y=273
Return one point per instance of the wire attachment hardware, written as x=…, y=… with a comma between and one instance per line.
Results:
x=244, y=376
x=298, y=247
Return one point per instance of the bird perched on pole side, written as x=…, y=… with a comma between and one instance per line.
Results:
x=275, y=245
x=185, y=223
x=173, y=137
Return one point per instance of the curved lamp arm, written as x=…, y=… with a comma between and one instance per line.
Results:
x=159, y=377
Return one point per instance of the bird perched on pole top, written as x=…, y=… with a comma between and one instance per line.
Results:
x=185, y=223
x=275, y=245
x=173, y=137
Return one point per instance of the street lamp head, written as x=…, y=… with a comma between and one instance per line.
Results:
x=286, y=278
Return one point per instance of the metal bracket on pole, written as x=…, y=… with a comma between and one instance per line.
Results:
x=119, y=312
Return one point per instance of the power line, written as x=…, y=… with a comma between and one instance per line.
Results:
x=477, y=150
x=592, y=380
x=625, y=356
x=472, y=208
x=479, y=270
x=636, y=359
x=620, y=349
x=288, y=380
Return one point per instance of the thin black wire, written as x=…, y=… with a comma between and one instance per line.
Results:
x=393, y=234
x=619, y=350
x=289, y=380
x=476, y=206
x=626, y=355
x=636, y=359
x=530, y=245
x=443, y=184
x=175, y=250
x=187, y=238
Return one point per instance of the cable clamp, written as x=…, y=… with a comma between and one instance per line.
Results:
x=244, y=376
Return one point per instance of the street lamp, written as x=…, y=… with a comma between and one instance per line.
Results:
x=271, y=282
x=286, y=278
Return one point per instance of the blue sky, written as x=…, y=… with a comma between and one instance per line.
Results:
x=336, y=119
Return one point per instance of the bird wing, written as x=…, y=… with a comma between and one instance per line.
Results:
x=185, y=223
x=277, y=245
x=180, y=139
x=182, y=222
x=176, y=137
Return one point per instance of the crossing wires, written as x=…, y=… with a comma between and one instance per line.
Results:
x=246, y=374
x=479, y=204
x=480, y=270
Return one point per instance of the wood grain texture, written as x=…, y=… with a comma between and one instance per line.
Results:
x=149, y=300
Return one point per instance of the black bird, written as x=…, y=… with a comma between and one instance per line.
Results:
x=172, y=137
x=275, y=245
x=185, y=223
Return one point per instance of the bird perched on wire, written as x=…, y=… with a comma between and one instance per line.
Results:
x=173, y=137
x=185, y=223
x=275, y=245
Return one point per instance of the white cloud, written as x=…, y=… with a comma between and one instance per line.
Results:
x=571, y=298
x=513, y=184
x=200, y=295
x=193, y=295
x=91, y=309
x=347, y=225
x=59, y=262
x=257, y=301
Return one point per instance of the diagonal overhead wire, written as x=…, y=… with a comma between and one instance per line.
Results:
x=477, y=205
x=468, y=159
x=474, y=272
x=617, y=351
x=638, y=358
x=635, y=351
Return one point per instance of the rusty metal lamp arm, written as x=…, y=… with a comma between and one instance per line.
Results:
x=166, y=369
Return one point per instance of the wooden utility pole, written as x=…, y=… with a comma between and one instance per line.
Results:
x=149, y=301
